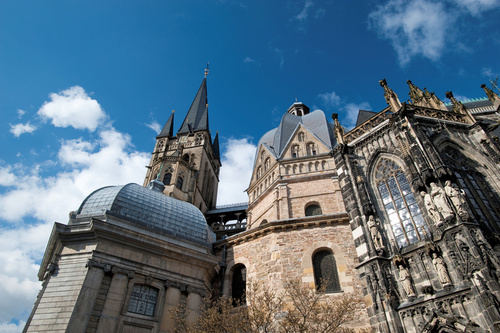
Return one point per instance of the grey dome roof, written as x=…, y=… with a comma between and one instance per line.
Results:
x=149, y=209
x=315, y=122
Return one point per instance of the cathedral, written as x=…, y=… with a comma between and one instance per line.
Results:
x=402, y=212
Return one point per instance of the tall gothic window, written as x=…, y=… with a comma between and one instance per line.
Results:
x=167, y=178
x=239, y=284
x=179, y=183
x=325, y=271
x=406, y=220
x=481, y=198
x=143, y=300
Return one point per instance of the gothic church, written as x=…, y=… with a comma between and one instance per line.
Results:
x=402, y=211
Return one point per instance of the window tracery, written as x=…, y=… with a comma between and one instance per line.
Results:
x=405, y=218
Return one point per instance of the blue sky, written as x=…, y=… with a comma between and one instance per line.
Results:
x=85, y=85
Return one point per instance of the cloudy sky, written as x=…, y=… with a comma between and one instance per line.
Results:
x=86, y=85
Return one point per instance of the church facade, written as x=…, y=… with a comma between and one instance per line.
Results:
x=402, y=212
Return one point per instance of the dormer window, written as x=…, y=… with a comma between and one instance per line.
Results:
x=295, y=151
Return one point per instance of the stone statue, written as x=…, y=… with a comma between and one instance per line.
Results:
x=440, y=267
x=375, y=233
x=439, y=198
x=431, y=209
x=404, y=278
x=457, y=199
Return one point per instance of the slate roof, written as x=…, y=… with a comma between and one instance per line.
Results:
x=277, y=139
x=197, y=116
x=149, y=209
x=168, y=129
x=364, y=116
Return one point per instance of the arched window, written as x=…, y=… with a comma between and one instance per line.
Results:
x=406, y=220
x=325, y=271
x=167, y=178
x=301, y=136
x=313, y=210
x=311, y=149
x=179, y=183
x=259, y=172
x=295, y=151
x=267, y=164
x=143, y=300
x=185, y=157
x=239, y=284
x=262, y=155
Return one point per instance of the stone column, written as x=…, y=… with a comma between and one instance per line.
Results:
x=87, y=297
x=283, y=198
x=193, y=307
x=114, y=301
x=172, y=299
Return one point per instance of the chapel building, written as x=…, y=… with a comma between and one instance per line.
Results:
x=402, y=212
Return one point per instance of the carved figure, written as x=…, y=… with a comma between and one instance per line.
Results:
x=375, y=233
x=457, y=199
x=431, y=209
x=404, y=278
x=440, y=267
x=439, y=198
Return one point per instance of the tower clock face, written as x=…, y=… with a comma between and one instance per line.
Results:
x=183, y=139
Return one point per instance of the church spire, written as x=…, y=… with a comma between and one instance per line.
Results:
x=197, y=116
x=390, y=96
x=215, y=146
x=168, y=129
x=492, y=96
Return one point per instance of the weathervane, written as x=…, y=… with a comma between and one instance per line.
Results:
x=206, y=70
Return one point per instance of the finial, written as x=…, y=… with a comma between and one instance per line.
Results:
x=206, y=70
x=173, y=111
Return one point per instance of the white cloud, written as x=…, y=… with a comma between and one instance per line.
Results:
x=20, y=113
x=302, y=16
x=26, y=195
x=350, y=114
x=73, y=107
x=476, y=7
x=19, y=129
x=155, y=126
x=12, y=328
x=418, y=27
x=249, y=60
x=330, y=99
x=236, y=170
x=488, y=72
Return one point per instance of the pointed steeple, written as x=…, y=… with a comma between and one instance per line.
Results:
x=492, y=96
x=416, y=94
x=215, y=146
x=168, y=129
x=390, y=96
x=197, y=116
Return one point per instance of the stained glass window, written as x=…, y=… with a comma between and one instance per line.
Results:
x=325, y=271
x=405, y=218
x=143, y=300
